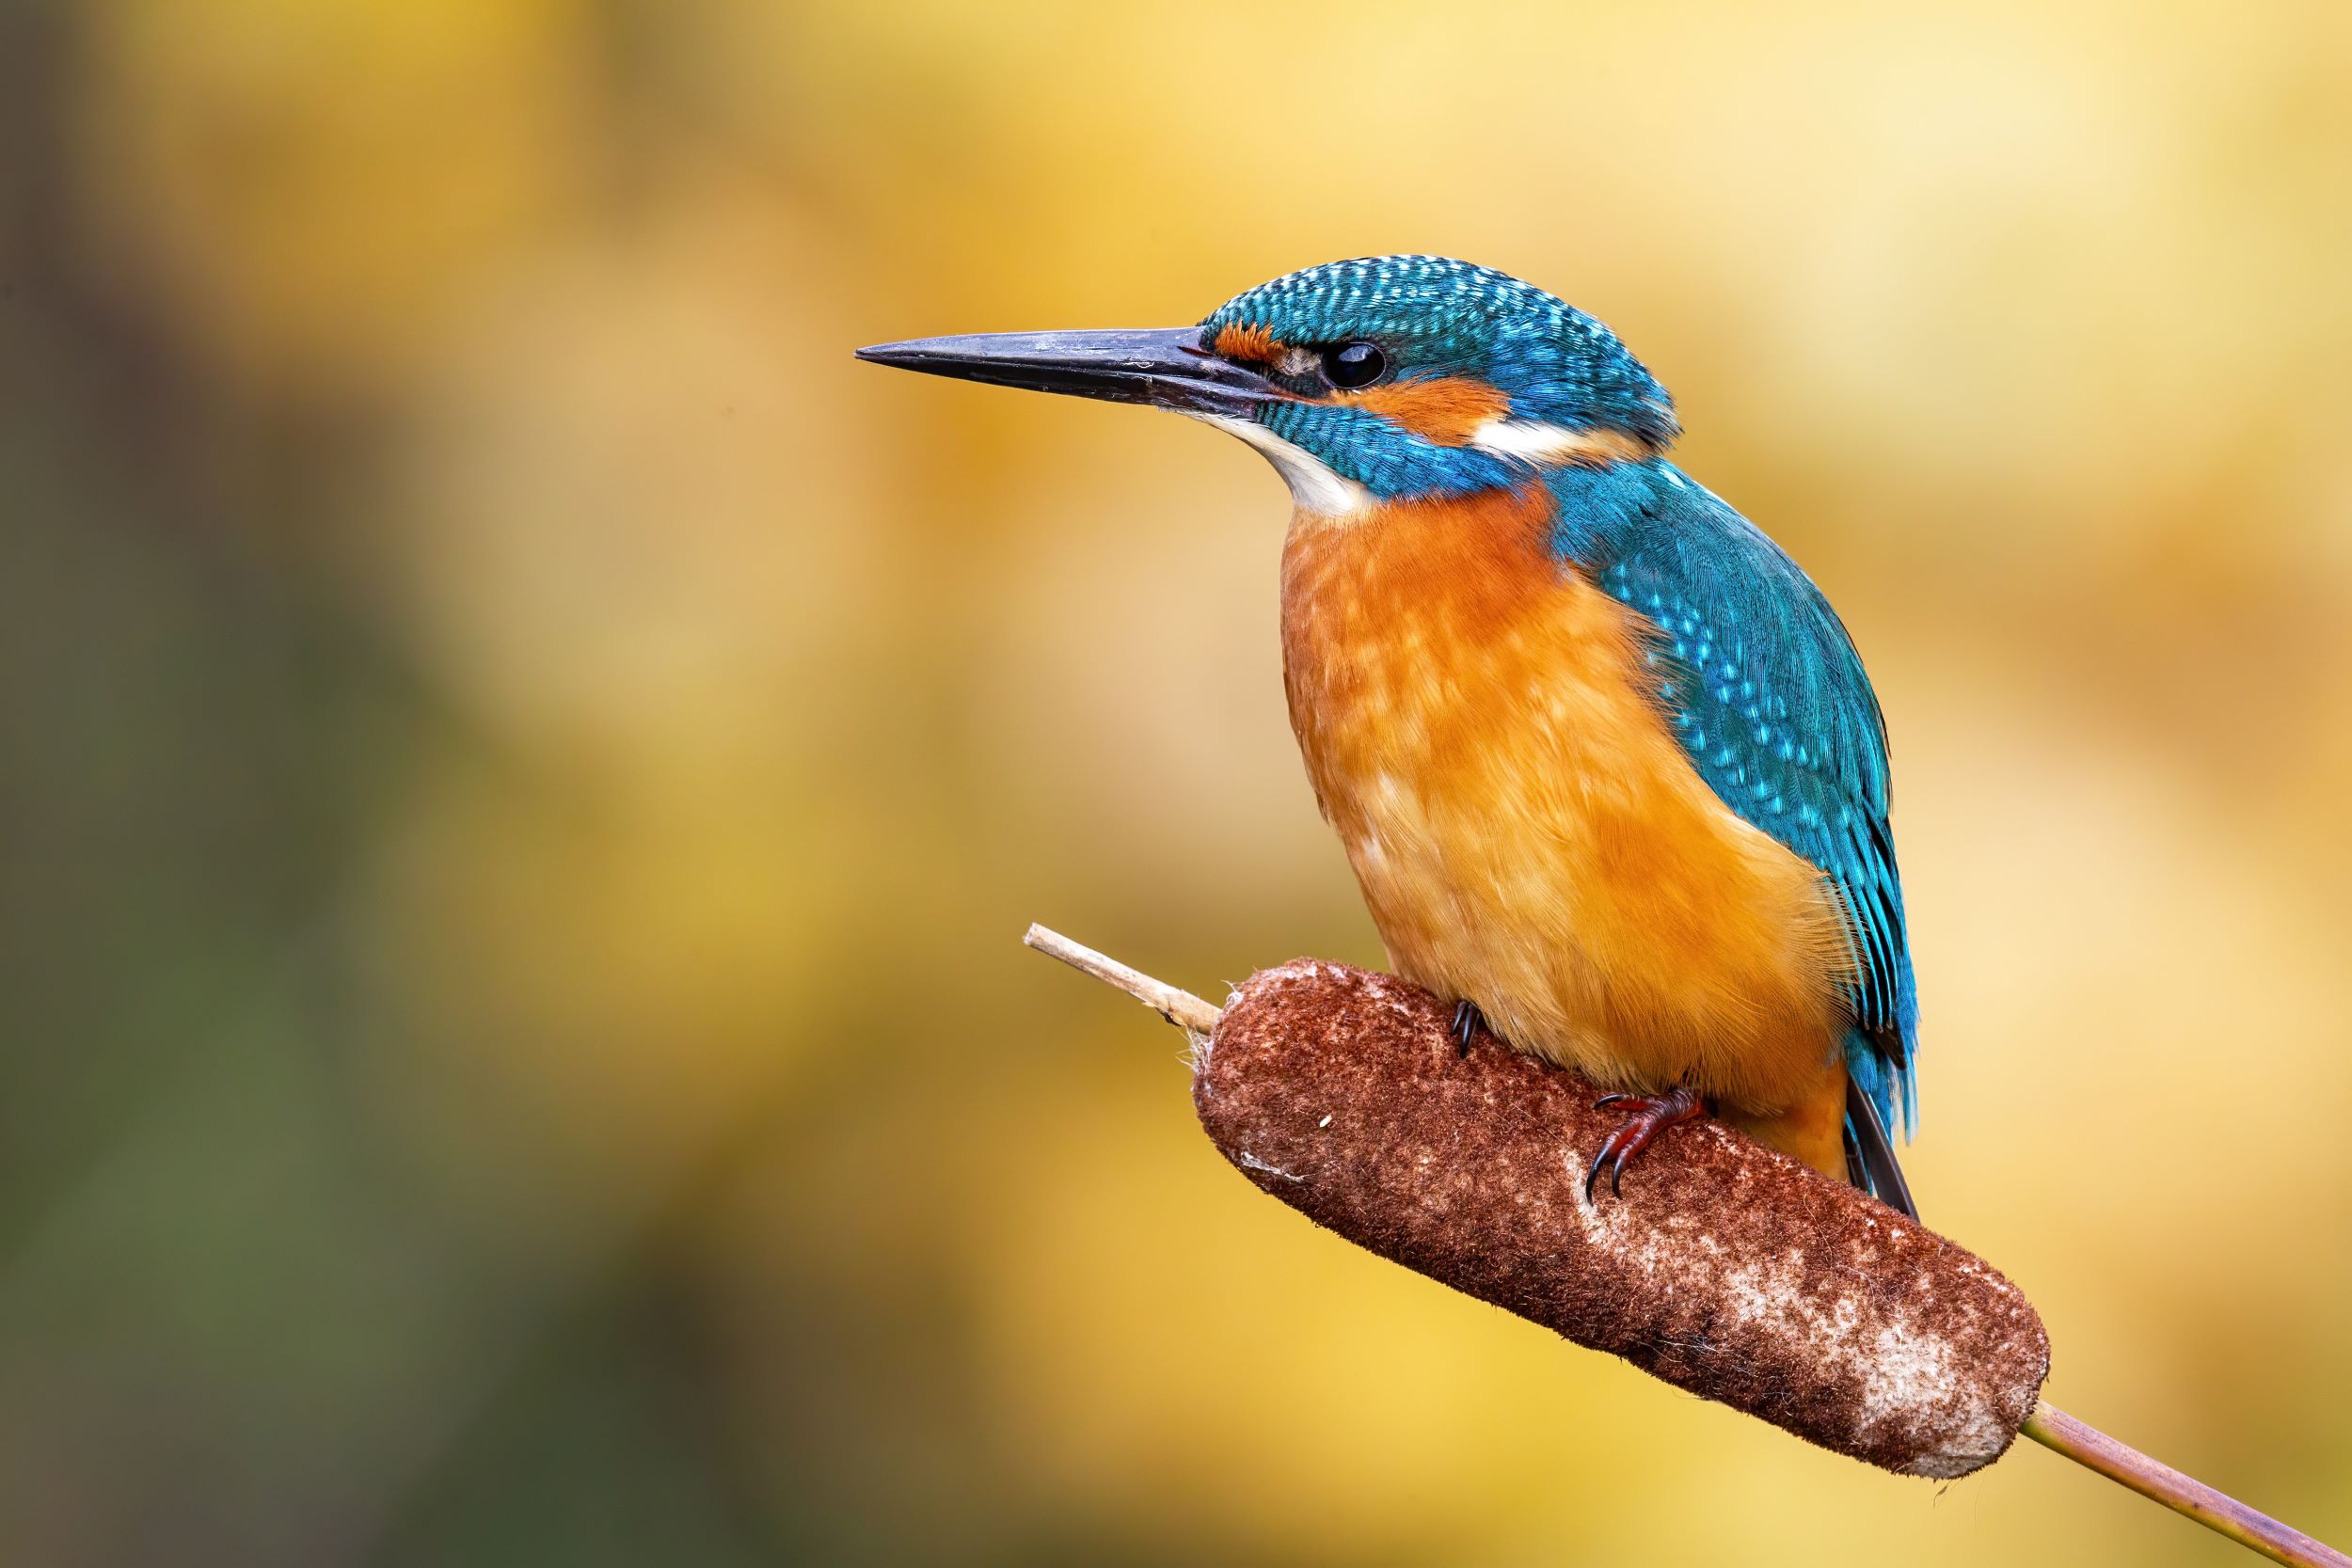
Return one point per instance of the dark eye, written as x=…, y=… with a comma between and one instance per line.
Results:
x=1354, y=365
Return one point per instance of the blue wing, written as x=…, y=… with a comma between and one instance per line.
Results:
x=1771, y=703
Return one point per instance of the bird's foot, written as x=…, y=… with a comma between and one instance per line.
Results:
x=1646, y=1116
x=1468, y=1021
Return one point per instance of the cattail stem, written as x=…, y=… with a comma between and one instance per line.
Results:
x=2051, y=1427
x=1180, y=1008
x=2093, y=1449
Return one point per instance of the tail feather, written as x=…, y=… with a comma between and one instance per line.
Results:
x=1870, y=1155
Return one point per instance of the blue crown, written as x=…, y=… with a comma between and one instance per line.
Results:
x=1435, y=315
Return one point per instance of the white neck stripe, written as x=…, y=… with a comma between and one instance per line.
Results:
x=1534, y=441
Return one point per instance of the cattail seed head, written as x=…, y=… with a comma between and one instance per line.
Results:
x=1726, y=1269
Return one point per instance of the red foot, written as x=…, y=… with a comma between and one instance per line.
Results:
x=1651, y=1115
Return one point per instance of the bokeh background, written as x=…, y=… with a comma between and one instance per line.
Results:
x=523, y=769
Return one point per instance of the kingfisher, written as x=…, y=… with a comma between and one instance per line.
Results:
x=1604, y=761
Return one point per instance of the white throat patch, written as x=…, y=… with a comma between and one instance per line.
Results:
x=1313, y=486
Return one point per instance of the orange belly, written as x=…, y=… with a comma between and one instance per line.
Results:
x=1529, y=834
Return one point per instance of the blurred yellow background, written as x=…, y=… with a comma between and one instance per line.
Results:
x=525, y=767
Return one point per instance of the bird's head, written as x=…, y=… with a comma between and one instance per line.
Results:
x=1391, y=378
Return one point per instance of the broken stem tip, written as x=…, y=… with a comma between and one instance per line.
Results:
x=1180, y=1008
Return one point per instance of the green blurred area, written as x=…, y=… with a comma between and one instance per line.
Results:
x=523, y=767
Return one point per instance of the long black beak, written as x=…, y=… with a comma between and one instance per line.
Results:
x=1166, y=368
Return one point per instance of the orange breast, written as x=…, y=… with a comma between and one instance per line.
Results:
x=1527, y=832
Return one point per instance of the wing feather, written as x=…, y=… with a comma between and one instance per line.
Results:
x=1770, y=701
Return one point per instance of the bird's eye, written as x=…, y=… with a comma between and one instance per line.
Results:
x=1354, y=365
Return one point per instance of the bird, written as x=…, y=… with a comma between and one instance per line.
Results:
x=1606, y=763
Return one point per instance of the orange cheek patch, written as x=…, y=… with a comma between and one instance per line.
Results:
x=1443, y=409
x=1250, y=345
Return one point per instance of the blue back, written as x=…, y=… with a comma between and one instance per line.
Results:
x=1771, y=703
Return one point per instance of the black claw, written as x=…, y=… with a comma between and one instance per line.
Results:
x=1592, y=1177
x=1467, y=1021
x=1608, y=1099
x=1617, y=1175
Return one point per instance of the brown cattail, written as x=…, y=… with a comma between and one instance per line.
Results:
x=1724, y=1268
